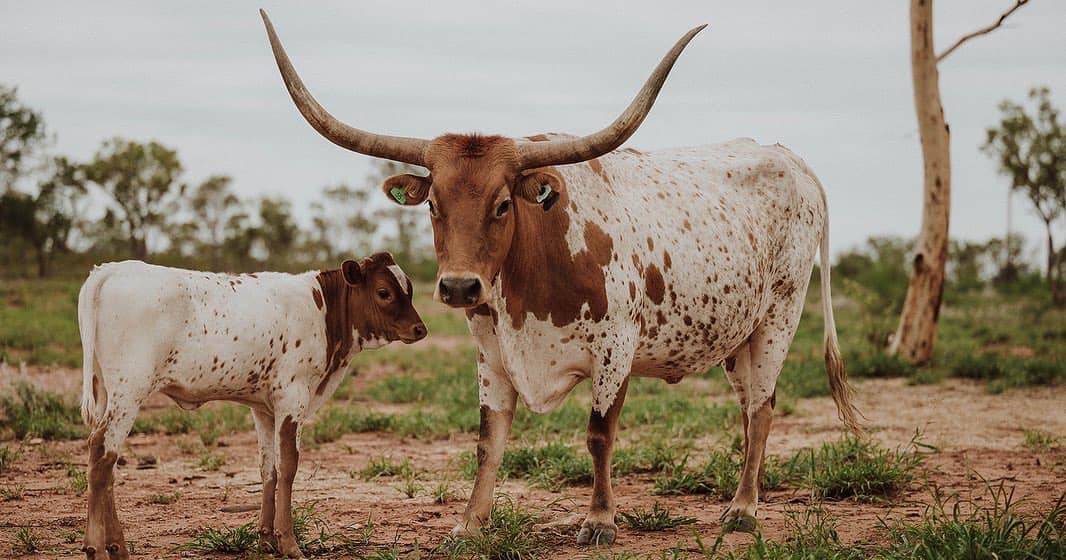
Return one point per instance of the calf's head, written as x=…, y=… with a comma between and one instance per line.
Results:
x=474, y=181
x=378, y=301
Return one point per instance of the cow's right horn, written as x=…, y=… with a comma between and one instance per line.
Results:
x=562, y=152
x=397, y=148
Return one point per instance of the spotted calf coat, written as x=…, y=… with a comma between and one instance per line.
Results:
x=279, y=343
x=658, y=264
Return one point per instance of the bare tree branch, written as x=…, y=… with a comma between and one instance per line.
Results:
x=984, y=30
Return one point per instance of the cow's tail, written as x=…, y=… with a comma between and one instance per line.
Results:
x=834, y=363
x=93, y=392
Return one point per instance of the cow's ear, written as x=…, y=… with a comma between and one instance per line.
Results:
x=538, y=187
x=352, y=273
x=407, y=189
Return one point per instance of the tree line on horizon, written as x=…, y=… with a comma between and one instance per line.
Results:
x=152, y=214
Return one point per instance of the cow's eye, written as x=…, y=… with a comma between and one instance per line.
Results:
x=503, y=208
x=383, y=294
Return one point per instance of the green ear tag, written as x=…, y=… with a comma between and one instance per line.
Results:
x=545, y=190
x=399, y=194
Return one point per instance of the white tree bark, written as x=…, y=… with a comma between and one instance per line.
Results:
x=917, y=325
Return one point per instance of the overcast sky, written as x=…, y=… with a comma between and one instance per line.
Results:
x=830, y=80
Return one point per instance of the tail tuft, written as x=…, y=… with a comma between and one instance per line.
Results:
x=834, y=363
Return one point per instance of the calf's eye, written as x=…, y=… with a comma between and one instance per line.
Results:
x=383, y=293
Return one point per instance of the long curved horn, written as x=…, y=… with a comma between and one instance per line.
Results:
x=561, y=152
x=397, y=148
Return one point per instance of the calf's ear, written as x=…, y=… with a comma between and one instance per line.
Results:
x=407, y=189
x=538, y=187
x=352, y=273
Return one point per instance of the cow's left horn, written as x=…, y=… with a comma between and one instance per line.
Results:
x=397, y=148
x=561, y=152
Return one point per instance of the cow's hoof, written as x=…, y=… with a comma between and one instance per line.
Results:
x=90, y=552
x=117, y=551
x=739, y=522
x=596, y=533
x=287, y=547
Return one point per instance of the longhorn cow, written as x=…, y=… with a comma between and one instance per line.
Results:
x=658, y=264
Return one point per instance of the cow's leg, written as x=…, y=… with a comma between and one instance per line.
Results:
x=287, y=451
x=763, y=356
x=264, y=430
x=103, y=531
x=599, y=526
x=497, y=398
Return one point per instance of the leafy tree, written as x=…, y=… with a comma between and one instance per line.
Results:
x=214, y=205
x=45, y=220
x=341, y=222
x=142, y=182
x=22, y=137
x=1031, y=150
x=278, y=231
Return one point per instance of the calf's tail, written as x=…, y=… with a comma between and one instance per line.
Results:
x=834, y=363
x=93, y=393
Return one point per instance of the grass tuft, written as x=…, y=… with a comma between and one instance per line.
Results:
x=26, y=541
x=858, y=468
x=509, y=535
x=656, y=519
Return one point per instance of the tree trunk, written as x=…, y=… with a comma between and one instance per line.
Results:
x=1053, y=278
x=42, y=263
x=917, y=323
x=139, y=248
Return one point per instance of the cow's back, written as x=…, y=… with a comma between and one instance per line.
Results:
x=702, y=234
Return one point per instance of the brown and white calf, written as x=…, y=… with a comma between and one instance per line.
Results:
x=659, y=264
x=278, y=343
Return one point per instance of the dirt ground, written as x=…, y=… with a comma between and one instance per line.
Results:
x=978, y=435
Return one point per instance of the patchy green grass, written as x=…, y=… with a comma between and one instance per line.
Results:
x=853, y=467
x=12, y=493
x=77, y=479
x=509, y=535
x=32, y=412
x=164, y=499
x=210, y=422
x=211, y=461
x=38, y=322
x=953, y=527
x=1037, y=440
x=242, y=539
x=718, y=475
x=8, y=457
x=379, y=467
x=812, y=536
x=26, y=542
x=657, y=518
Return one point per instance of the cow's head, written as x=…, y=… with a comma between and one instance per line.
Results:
x=475, y=181
x=383, y=307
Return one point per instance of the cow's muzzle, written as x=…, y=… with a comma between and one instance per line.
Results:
x=459, y=291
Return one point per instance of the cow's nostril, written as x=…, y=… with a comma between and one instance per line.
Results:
x=445, y=293
x=420, y=331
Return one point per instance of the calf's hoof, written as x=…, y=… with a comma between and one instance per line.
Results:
x=267, y=539
x=113, y=551
x=596, y=533
x=465, y=530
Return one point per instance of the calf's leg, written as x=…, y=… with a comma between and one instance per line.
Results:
x=288, y=459
x=264, y=430
x=599, y=526
x=104, y=538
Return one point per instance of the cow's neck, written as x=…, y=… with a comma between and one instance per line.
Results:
x=542, y=277
x=340, y=299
